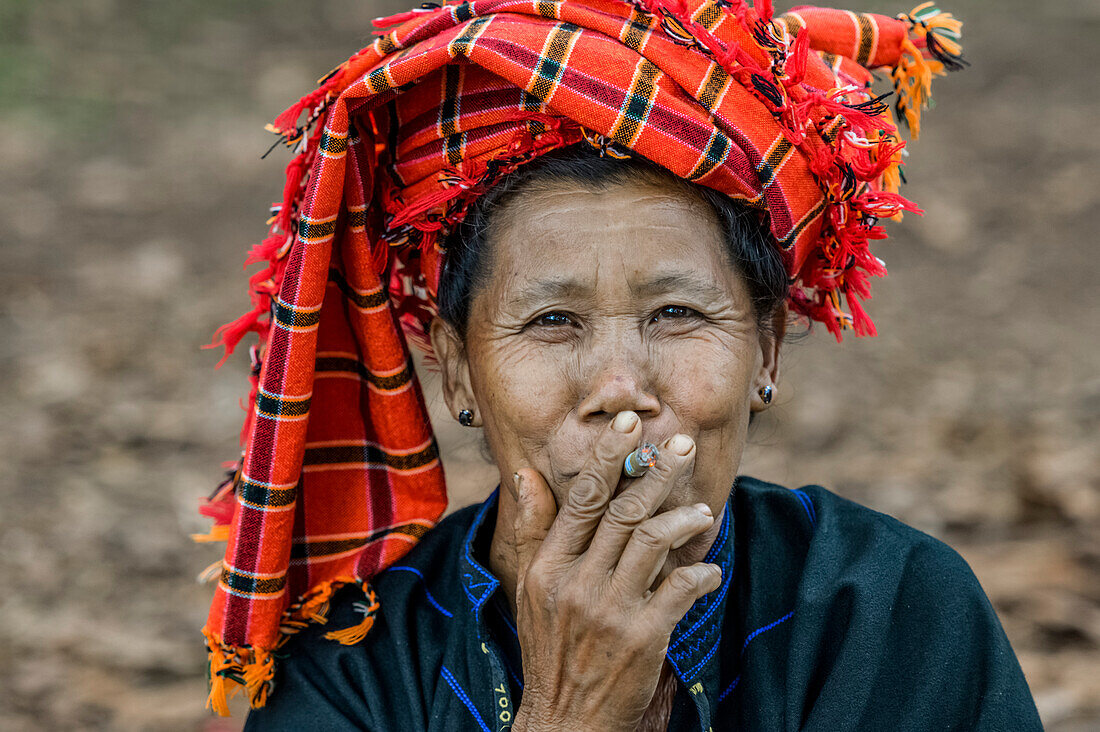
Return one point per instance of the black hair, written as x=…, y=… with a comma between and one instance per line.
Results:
x=749, y=242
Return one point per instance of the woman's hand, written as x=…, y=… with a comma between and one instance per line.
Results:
x=593, y=634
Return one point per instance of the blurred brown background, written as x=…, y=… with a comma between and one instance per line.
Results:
x=132, y=185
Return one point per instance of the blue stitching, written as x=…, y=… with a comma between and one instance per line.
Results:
x=492, y=582
x=719, y=544
x=709, y=611
x=424, y=584
x=696, y=668
x=721, y=540
x=807, y=506
x=765, y=629
x=462, y=696
x=729, y=688
x=748, y=639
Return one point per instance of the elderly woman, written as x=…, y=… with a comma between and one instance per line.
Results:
x=601, y=215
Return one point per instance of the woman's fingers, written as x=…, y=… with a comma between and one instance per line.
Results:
x=536, y=509
x=634, y=505
x=651, y=542
x=572, y=530
x=681, y=589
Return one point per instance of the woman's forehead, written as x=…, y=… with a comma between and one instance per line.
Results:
x=571, y=236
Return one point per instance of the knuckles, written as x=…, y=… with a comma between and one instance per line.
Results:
x=653, y=534
x=628, y=509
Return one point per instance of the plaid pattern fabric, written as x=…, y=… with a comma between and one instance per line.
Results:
x=341, y=473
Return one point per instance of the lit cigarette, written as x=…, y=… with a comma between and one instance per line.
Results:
x=641, y=460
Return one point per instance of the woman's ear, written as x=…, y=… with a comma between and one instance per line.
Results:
x=767, y=376
x=451, y=354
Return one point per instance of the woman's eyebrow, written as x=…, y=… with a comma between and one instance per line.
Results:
x=680, y=282
x=553, y=288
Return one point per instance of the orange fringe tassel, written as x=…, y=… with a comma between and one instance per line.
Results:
x=354, y=634
x=913, y=74
x=233, y=668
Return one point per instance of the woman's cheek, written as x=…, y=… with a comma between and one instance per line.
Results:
x=706, y=383
x=524, y=394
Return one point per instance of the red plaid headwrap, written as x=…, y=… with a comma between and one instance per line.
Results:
x=341, y=473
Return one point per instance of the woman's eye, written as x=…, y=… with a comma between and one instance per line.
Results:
x=674, y=311
x=553, y=320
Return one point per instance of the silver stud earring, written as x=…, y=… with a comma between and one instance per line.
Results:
x=766, y=394
x=466, y=418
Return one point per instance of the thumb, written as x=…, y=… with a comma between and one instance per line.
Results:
x=535, y=515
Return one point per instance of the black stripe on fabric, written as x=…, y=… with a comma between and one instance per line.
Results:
x=342, y=364
x=386, y=45
x=339, y=454
x=546, y=8
x=378, y=80
x=786, y=242
x=265, y=496
x=306, y=549
x=369, y=300
x=766, y=172
x=463, y=12
x=273, y=406
x=866, y=38
x=315, y=229
x=637, y=27
x=449, y=109
x=550, y=66
x=717, y=78
x=709, y=15
x=637, y=104
x=252, y=585
x=289, y=316
x=461, y=45
x=832, y=131
x=357, y=218
x=332, y=144
x=717, y=148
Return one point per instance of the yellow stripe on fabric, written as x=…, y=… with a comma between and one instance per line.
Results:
x=636, y=30
x=547, y=8
x=247, y=584
x=778, y=152
x=786, y=242
x=638, y=102
x=357, y=217
x=366, y=453
x=321, y=547
x=461, y=45
x=386, y=44
x=866, y=38
x=332, y=144
x=715, y=153
x=380, y=80
x=552, y=60
x=713, y=86
x=708, y=15
x=449, y=110
x=311, y=231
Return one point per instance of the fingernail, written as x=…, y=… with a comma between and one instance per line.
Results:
x=624, y=422
x=680, y=444
x=704, y=509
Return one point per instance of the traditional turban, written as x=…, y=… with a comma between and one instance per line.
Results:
x=340, y=473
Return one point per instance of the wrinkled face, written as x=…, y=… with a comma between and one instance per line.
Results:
x=604, y=301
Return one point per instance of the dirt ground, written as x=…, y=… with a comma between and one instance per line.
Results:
x=132, y=185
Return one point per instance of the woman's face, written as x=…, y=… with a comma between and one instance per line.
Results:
x=599, y=302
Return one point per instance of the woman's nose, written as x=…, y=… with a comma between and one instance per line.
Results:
x=617, y=385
